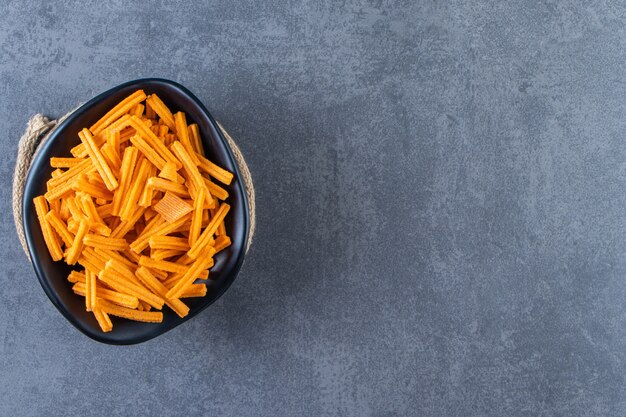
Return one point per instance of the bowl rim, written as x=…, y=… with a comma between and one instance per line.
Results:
x=27, y=210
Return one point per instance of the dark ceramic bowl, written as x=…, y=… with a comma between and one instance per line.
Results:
x=53, y=275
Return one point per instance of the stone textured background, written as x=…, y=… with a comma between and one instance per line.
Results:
x=440, y=193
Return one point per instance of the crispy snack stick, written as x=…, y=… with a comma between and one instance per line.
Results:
x=216, y=190
x=146, y=195
x=194, y=290
x=95, y=221
x=104, y=211
x=120, y=284
x=191, y=275
x=196, y=220
x=76, y=276
x=124, y=300
x=60, y=227
x=183, y=135
x=215, y=171
x=127, y=313
x=81, y=184
x=126, y=172
x=127, y=225
x=153, y=140
x=82, y=167
x=150, y=113
x=190, y=167
x=102, y=242
x=161, y=109
x=113, y=139
x=112, y=157
x=196, y=141
x=49, y=236
x=172, y=279
x=209, y=231
x=65, y=162
x=92, y=261
x=158, y=288
x=150, y=153
x=90, y=289
x=74, y=251
x=172, y=207
x=142, y=242
x=163, y=131
x=169, y=242
x=163, y=254
x=57, y=172
x=104, y=321
x=169, y=172
x=162, y=265
x=59, y=190
x=129, y=206
x=80, y=151
x=137, y=110
x=221, y=243
x=159, y=184
x=116, y=112
x=98, y=160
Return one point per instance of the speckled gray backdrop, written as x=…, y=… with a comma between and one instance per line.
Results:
x=440, y=194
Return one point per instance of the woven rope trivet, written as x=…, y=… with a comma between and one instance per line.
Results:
x=37, y=132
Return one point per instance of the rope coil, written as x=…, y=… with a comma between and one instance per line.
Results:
x=38, y=131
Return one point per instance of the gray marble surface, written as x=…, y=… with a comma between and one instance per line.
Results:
x=440, y=195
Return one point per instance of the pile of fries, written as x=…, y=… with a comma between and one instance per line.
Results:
x=136, y=206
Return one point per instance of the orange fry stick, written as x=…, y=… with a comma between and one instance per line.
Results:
x=112, y=157
x=76, y=276
x=194, y=290
x=120, y=284
x=82, y=167
x=81, y=184
x=126, y=172
x=124, y=300
x=183, y=135
x=162, y=265
x=216, y=190
x=59, y=190
x=104, y=321
x=215, y=171
x=142, y=242
x=159, y=184
x=196, y=220
x=116, y=112
x=209, y=231
x=163, y=254
x=98, y=160
x=127, y=313
x=221, y=243
x=196, y=141
x=102, y=242
x=149, y=152
x=129, y=205
x=65, y=162
x=41, y=207
x=60, y=227
x=162, y=110
x=153, y=140
x=74, y=251
x=169, y=242
x=191, y=275
x=158, y=288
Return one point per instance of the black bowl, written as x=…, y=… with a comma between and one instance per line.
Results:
x=53, y=275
